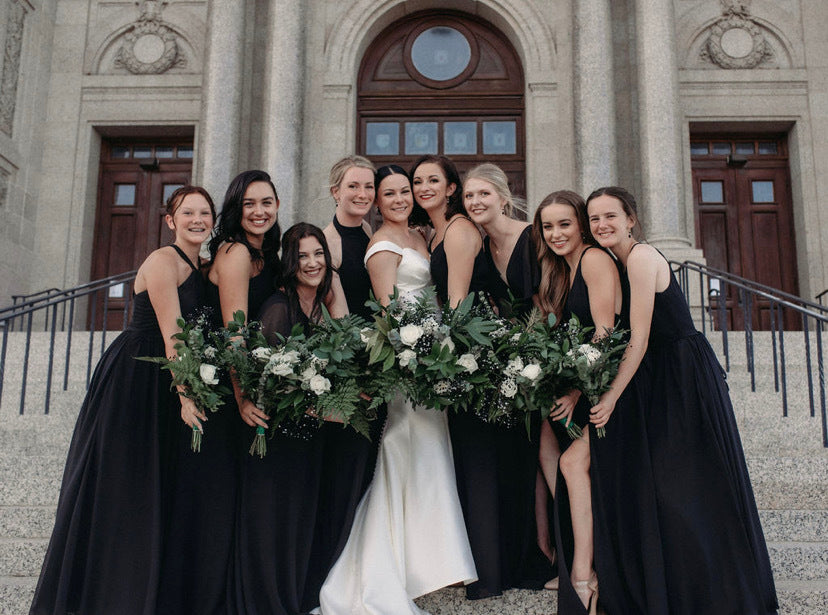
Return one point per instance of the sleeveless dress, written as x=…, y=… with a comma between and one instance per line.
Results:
x=278, y=505
x=577, y=304
x=676, y=526
x=201, y=531
x=408, y=537
x=496, y=470
x=106, y=547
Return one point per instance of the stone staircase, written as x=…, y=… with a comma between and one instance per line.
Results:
x=787, y=462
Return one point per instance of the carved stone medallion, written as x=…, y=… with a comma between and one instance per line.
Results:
x=149, y=47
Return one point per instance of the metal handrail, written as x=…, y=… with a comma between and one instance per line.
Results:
x=47, y=307
x=811, y=315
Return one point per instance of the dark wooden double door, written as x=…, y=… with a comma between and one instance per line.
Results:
x=136, y=177
x=744, y=221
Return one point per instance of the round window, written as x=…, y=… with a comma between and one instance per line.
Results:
x=441, y=53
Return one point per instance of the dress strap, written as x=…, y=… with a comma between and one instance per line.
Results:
x=452, y=221
x=184, y=256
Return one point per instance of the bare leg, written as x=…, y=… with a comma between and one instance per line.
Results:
x=542, y=518
x=550, y=452
x=575, y=469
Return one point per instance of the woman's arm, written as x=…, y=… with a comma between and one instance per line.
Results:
x=382, y=268
x=642, y=270
x=601, y=277
x=462, y=243
x=232, y=269
x=336, y=302
x=160, y=273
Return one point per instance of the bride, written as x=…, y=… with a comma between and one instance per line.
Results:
x=408, y=537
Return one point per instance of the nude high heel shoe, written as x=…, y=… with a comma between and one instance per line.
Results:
x=588, y=593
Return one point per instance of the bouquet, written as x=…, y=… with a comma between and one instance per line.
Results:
x=432, y=352
x=304, y=379
x=593, y=364
x=197, y=367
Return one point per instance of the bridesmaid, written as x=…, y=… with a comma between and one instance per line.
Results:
x=676, y=526
x=351, y=183
x=106, y=548
x=245, y=270
x=352, y=187
x=282, y=494
x=513, y=264
x=578, y=280
x=491, y=490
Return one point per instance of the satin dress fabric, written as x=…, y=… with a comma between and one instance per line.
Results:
x=408, y=537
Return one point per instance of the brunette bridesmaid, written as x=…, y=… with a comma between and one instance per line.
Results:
x=676, y=525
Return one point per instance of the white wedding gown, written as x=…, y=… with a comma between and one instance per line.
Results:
x=408, y=536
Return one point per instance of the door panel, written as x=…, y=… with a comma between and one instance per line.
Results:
x=135, y=179
x=744, y=219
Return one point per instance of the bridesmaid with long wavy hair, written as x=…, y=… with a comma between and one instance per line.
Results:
x=578, y=279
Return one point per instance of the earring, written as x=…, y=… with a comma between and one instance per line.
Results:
x=629, y=233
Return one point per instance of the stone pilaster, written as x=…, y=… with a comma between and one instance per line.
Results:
x=594, y=97
x=218, y=155
x=282, y=120
x=16, y=13
x=661, y=200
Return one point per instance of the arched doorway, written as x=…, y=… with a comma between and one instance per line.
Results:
x=443, y=83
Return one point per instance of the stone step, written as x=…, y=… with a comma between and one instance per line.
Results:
x=795, y=598
x=28, y=521
x=16, y=595
x=803, y=561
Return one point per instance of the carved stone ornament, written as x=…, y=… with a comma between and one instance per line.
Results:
x=4, y=186
x=736, y=41
x=149, y=47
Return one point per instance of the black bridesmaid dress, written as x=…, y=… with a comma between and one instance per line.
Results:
x=341, y=491
x=105, y=553
x=577, y=304
x=676, y=525
x=496, y=469
x=522, y=277
x=201, y=531
x=278, y=507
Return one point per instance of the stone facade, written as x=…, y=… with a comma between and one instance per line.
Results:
x=273, y=84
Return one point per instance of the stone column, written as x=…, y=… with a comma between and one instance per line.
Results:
x=662, y=198
x=282, y=119
x=218, y=147
x=594, y=95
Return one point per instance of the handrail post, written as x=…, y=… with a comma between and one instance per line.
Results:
x=723, y=322
x=809, y=369
x=51, y=360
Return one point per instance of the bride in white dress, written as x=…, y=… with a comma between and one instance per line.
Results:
x=408, y=536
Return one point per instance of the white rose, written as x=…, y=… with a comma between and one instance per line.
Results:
x=468, y=362
x=531, y=371
x=307, y=374
x=514, y=366
x=291, y=356
x=409, y=334
x=365, y=334
x=319, y=384
x=447, y=342
x=280, y=368
x=262, y=353
x=406, y=357
x=208, y=373
x=210, y=352
x=589, y=352
x=508, y=388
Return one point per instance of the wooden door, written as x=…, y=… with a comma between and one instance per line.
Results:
x=443, y=83
x=135, y=180
x=744, y=218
